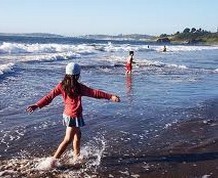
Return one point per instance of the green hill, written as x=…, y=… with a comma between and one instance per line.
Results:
x=192, y=36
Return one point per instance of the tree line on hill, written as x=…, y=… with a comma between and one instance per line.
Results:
x=190, y=35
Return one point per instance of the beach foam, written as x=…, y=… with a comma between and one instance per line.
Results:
x=37, y=48
x=47, y=164
x=6, y=68
x=32, y=166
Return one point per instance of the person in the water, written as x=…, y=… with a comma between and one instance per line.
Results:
x=165, y=49
x=129, y=62
x=72, y=91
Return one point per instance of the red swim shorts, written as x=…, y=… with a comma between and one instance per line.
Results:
x=128, y=66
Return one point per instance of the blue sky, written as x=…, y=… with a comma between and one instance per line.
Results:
x=112, y=17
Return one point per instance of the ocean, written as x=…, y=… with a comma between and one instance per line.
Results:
x=165, y=90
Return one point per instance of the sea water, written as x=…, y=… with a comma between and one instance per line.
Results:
x=165, y=88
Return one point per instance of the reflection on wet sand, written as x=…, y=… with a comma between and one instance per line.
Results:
x=129, y=90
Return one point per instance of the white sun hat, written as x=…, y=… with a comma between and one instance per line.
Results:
x=73, y=69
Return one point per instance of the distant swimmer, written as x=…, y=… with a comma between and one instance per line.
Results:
x=129, y=62
x=165, y=49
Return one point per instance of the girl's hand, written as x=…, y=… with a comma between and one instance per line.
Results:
x=115, y=98
x=31, y=108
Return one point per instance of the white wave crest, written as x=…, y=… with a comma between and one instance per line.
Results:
x=37, y=48
x=17, y=48
x=176, y=66
x=184, y=48
x=5, y=68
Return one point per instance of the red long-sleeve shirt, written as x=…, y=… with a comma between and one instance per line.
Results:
x=72, y=106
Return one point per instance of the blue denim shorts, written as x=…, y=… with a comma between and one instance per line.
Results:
x=73, y=121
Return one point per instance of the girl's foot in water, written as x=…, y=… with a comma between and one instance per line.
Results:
x=77, y=159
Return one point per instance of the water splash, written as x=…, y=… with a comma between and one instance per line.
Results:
x=91, y=153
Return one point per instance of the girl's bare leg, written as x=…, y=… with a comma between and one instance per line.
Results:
x=70, y=132
x=76, y=142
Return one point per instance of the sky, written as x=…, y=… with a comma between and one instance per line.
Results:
x=108, y=17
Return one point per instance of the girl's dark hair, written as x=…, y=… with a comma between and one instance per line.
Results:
x=71, y=85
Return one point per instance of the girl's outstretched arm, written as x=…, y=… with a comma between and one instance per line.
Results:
x=45, y=100
x=31, y=108
x=90, y=92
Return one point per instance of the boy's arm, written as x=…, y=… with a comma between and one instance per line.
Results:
x=132, y=61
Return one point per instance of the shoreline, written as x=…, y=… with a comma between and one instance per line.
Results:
x=185, y=149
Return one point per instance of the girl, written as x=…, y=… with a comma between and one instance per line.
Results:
x=72, y=92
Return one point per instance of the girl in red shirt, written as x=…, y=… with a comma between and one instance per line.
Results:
x=72, y=92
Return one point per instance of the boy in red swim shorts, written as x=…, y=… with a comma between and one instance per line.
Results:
x=129, y=62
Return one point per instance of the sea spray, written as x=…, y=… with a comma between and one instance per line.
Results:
x=47, y=164
x=91, y=155
x=5, y=68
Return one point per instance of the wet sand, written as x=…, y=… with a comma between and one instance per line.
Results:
x=186, y=149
